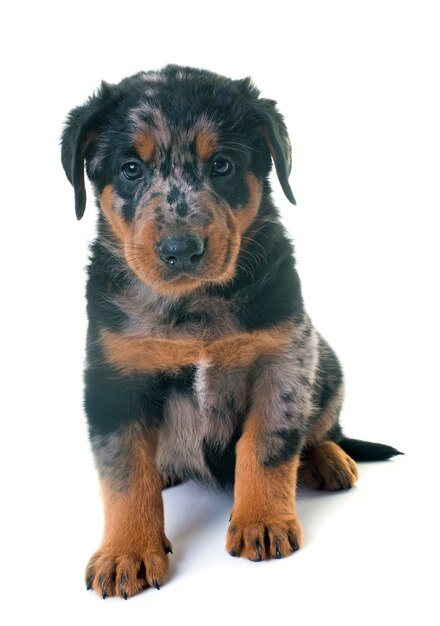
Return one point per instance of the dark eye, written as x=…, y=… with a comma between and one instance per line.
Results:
x=131, y=170
x=221, y=167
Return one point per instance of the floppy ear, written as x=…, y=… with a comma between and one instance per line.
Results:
x=79, y=132
x=278, y=142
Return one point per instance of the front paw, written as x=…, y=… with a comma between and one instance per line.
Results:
x=117, y=572
x=263, y=539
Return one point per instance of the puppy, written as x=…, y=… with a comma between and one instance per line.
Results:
x=202, y=362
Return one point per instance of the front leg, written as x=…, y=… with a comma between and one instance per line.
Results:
x=263, y=520
x=263, y=523
x=133, y=551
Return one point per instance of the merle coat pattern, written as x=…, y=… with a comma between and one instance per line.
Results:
x=201, y=359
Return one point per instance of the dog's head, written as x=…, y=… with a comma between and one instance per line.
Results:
x=178, y=159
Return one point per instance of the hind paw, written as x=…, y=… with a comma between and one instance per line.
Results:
x=327, y=466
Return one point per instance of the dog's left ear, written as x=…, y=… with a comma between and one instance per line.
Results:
x=278, y=142
x=81, y=127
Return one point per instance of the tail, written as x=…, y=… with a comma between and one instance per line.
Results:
x=366, y=450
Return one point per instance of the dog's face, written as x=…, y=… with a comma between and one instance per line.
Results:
x=179, y=161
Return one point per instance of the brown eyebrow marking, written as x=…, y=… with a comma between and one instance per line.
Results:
x=206, y=143
x=145, y=146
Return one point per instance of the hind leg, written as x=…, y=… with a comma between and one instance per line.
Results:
x=327, y=466
x=324, y=465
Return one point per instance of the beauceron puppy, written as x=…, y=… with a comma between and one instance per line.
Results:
x=202, y=362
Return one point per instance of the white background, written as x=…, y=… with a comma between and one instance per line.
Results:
x=358, y=83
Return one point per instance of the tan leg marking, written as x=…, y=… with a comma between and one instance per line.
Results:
x=133, y=552
x=327, y=466
x=263, y=520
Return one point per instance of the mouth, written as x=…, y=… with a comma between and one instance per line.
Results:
x=180, y=261
x=201, y=274
x=176, y=281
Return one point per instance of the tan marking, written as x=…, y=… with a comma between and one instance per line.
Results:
x=140, y=251
x=122, y=230
x=133, y=525
x=152, y=354
x=245, y=215
x=327, y=466
x=145, y=146
x=245, y=348
x=162, y=132
x=137, y=237
x=206, y=143
x=264, y=502
x=224, y=242
x=148, y=354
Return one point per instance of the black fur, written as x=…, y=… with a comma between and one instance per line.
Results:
x=288, y=443
x=221, y=461
x=367, y=450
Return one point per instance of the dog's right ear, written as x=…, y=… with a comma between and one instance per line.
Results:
x=81, y=128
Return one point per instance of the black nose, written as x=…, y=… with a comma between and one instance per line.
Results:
x=181, y=251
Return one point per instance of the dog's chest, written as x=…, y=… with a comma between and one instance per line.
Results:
x=201, y=421
x=204, y=416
